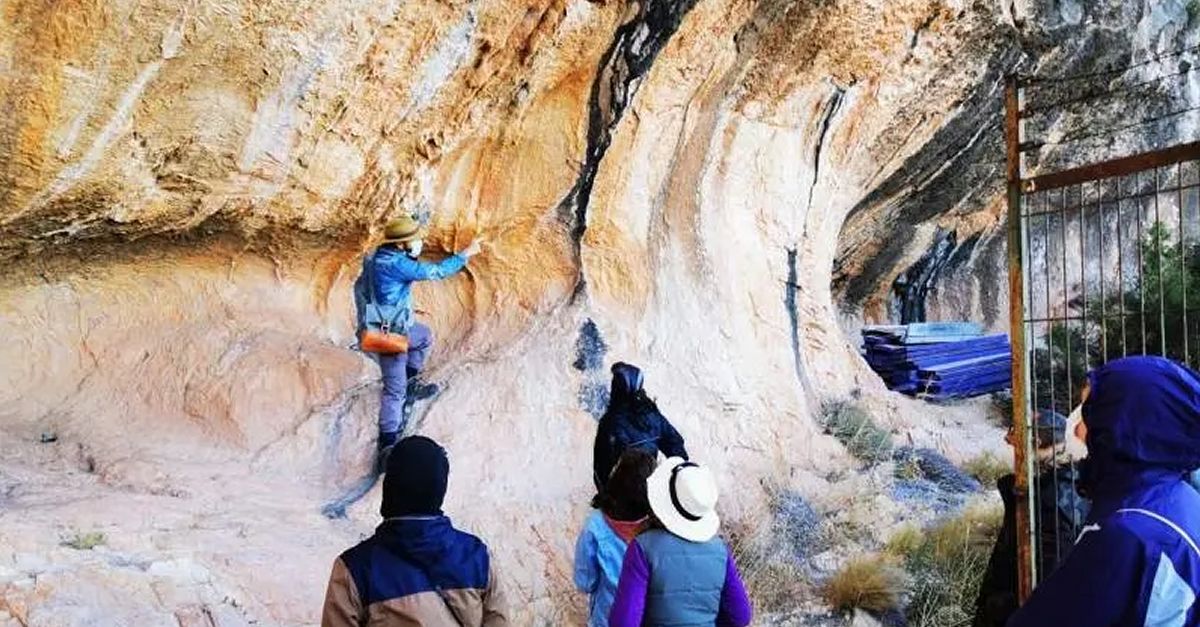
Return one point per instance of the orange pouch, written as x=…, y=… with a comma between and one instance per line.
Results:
x=383, y=342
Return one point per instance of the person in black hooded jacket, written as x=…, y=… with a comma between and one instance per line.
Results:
x=632, y=420
x=1060, y=510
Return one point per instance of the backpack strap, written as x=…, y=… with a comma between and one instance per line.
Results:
x=1166, y=521
x=373, y=301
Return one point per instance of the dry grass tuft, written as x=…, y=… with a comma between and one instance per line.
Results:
x=875, y=583
x=773, y=577
x=948, y=566
x=853, y=426
x=987, y=468
x=906, y=541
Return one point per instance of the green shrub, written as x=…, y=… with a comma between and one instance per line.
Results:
x=852, y=425
x=81, y=541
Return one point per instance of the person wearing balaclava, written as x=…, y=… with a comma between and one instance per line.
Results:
x=1061, y=512
x=417, y=569
x=632, y=420
x=1136, y=561
x=384, y=291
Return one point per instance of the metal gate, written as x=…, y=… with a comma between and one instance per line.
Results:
x=1104, y=261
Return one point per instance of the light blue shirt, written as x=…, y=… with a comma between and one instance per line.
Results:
x=599, y=554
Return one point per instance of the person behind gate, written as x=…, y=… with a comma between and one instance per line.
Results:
x=1137, y=559
x=383, y=295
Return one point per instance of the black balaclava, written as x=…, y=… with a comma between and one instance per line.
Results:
x=415, y=483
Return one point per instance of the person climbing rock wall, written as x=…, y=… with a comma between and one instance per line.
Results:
x=384, y=292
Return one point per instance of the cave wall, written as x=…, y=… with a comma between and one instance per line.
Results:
x=954, y=183
x=713, y=190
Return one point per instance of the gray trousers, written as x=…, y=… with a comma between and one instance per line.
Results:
x=395, y=377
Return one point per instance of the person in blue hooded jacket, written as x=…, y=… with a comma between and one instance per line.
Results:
x=632, y=421
x=391, y=270
x=1136, y=561
x=621, y=512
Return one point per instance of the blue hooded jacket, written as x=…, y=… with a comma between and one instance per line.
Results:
x=632, y=421
x=394, y=273
x=1137, y=561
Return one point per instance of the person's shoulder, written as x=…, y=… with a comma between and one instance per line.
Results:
x=1124, y=527
x=652, y=536
x=469, y=546
x=1172, y=513
x=358, y=551
x=594, y=520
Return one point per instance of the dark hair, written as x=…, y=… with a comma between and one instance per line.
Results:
x=624, y=496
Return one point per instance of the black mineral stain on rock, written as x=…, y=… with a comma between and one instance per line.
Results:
x=634, y=48
x=590, y=351
x=593, y=397
x=590, y=348
x=912, y=287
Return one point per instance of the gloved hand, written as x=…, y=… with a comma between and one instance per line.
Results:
x=472, y=249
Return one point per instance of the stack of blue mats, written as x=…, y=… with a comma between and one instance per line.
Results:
x=939, y=360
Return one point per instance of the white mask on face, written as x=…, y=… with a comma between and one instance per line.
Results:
x=414, y=248
x=1076, y=448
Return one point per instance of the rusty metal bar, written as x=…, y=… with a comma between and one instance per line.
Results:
x=1115, y=167
x=1026, y=570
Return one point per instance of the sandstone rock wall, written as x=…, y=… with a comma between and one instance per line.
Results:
x=715, y=190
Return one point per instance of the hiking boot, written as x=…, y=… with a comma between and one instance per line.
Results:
x=418, y=390
x=385, y=443
x=381, y=458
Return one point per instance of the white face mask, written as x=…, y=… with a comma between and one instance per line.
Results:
x=414, y=248
x=1076, y=448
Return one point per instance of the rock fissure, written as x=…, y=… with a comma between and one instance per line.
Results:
x=636, y=44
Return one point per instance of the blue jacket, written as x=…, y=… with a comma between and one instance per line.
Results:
x=415, y=571
x=599, y=553
x=1136, y=561
x=394, y=273
x=632, y=421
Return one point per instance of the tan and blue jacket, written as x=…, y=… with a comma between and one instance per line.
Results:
x=415, y=572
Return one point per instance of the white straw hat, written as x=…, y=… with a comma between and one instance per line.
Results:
x=683, y=496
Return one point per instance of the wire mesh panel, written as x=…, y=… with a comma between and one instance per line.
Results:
x=1111, y=268
x=1104, y=261
x=1111, y=264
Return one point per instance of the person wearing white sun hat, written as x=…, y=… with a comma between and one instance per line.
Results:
x=679, y=572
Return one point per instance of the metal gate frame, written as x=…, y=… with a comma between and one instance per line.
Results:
x=1020, y=316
